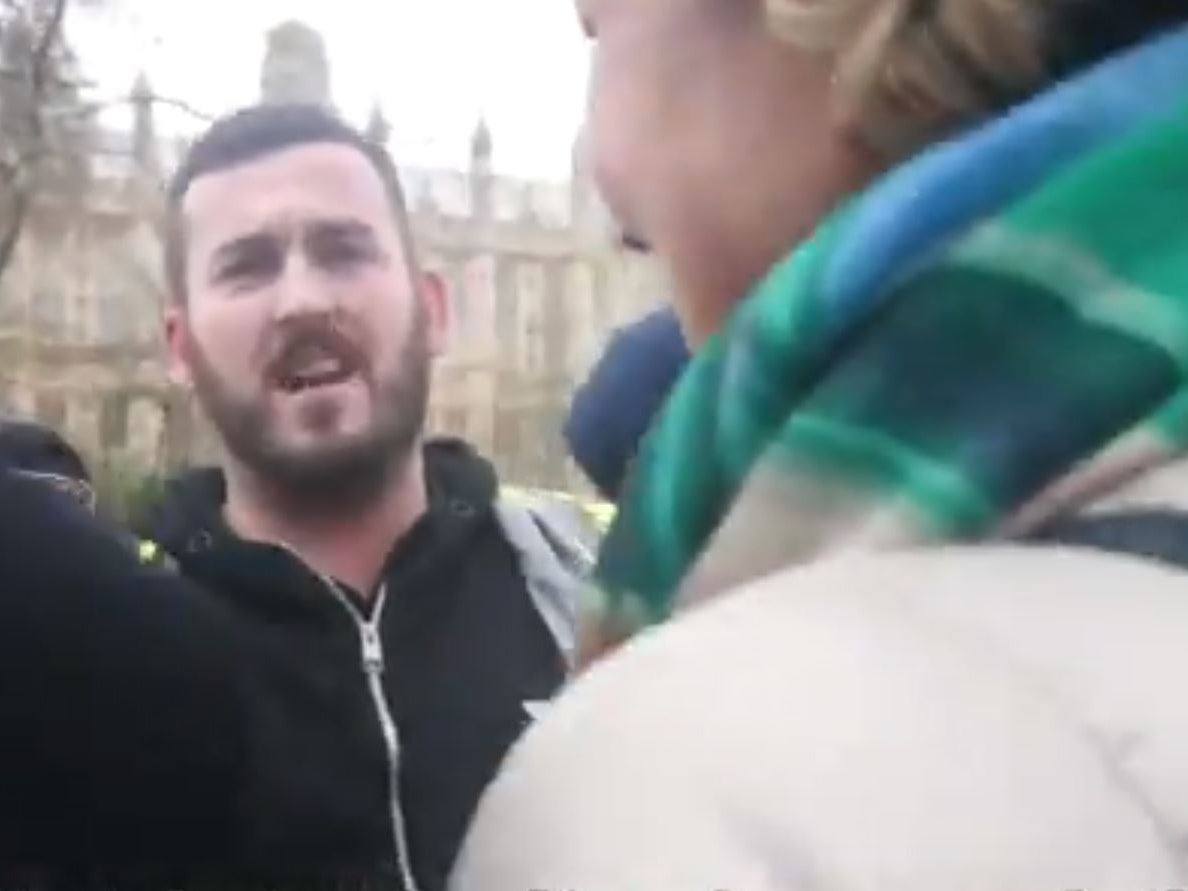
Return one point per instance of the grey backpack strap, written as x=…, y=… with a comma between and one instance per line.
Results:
x=555, y=567
x=1159, y=535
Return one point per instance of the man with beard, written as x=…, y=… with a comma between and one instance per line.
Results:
x=404, y=621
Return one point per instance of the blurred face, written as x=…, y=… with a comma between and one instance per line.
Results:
x=711, y=141
x=304, y=333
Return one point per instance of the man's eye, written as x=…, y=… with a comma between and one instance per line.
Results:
x=341, y=254
x=245, y=269
x=248, y=266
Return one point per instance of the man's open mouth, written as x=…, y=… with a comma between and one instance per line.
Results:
x=311, y=368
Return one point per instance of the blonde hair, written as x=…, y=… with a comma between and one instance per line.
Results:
x=910, y=71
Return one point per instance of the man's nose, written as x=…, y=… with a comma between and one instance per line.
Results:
x=301, y=291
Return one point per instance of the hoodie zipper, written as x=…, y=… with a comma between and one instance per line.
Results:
x=372, y=653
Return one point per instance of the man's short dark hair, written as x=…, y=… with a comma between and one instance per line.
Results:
x=253, y=133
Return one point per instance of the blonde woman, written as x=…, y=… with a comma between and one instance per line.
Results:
x=933, y=257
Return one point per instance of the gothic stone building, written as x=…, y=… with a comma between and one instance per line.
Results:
x=536, y=287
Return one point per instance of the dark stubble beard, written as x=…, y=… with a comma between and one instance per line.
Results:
x=339, y=479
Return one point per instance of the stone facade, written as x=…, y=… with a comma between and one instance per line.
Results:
x=536, y=289
x=296, y=68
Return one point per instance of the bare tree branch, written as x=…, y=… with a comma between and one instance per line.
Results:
x=12, y=234
x=52, y=79
x=85, y=109
x=17, y=178
x=41, y=53
x=181, y=105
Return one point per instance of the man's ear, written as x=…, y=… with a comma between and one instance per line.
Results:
x=435, y=302
x=177, y=342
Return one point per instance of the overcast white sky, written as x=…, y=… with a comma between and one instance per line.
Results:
x=435, y=66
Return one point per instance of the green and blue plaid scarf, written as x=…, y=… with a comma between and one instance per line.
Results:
x=992, y=335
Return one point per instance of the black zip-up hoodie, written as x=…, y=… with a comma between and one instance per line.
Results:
x=426, y=682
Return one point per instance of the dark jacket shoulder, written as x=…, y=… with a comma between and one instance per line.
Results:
x=624, y=392
x=121, y=715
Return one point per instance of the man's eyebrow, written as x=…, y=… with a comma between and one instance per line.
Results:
x=343, y=228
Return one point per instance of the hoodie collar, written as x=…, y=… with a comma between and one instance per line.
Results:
x=188, y=519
